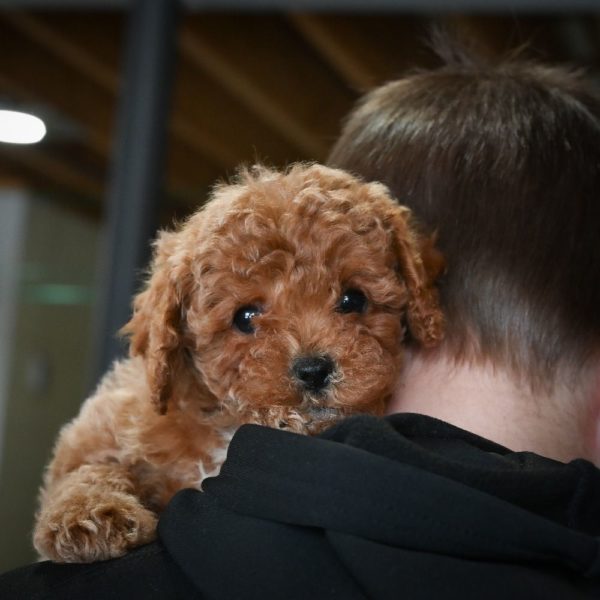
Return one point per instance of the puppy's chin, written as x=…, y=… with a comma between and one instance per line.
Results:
x=318, y=418
x=307, y=412
x=306, y=418
x=322, y=418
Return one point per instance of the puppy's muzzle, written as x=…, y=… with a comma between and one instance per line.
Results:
x=313, y=373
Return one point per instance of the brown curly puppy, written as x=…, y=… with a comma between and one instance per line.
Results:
x=283, y=302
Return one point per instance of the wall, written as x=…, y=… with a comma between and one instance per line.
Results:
x=13, y=216
x=48, y=357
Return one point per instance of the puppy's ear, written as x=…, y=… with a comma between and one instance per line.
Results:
x=420, y=265
x=155, y=330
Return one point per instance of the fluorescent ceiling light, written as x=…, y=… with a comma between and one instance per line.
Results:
x=20, y=128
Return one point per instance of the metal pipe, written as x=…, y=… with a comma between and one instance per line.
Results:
x=137, y=170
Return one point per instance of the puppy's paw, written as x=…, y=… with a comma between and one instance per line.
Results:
x=86, y=527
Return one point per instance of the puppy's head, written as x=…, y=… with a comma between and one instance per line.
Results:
x=287, y=298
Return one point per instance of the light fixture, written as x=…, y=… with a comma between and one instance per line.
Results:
x=20, y=128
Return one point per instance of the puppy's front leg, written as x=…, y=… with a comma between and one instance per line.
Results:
x=92, y=515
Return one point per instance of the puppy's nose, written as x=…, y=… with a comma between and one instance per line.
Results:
x=313, y=372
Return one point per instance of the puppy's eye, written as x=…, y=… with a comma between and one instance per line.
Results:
x=352, y=301
x=242, y=319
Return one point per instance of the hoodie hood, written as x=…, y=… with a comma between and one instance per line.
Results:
x=404, y=503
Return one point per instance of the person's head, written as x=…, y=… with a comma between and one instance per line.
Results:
x=503, y=162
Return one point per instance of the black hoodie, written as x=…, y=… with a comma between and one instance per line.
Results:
x=405, y=507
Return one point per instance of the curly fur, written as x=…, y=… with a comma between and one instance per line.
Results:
x=161, y=420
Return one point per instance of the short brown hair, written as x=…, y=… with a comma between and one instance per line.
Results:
x=504, y=163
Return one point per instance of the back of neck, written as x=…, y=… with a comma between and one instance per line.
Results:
x=487, y=401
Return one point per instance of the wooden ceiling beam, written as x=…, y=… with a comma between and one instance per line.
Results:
x=192, y=131
x=55, y=169
x=40, y=167
x=91, y=67
x=19, y=91
x=210, y=108
x=367, y=50
x=262, y=62
x=11, y=178
x=29, y=68
x=200, y=141
x=72, y=54
x=36, y=159
x=71, y=36
x=339, y=52
x=21, y=176
x=208, y=58
x=213, y=127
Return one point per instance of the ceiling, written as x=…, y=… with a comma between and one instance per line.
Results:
x=267, y=86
